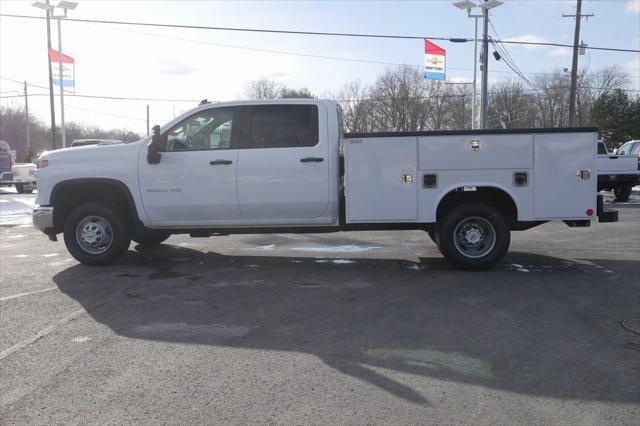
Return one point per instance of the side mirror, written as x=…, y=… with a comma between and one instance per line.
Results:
x=153, y=150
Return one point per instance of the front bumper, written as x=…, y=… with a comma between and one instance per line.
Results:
x=43, y=219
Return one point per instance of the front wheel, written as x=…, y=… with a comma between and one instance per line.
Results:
x=474, y=236
x=96, y=234
x=623, y=192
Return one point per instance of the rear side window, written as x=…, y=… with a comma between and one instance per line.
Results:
x=602, y=150
x=636, y=148
x=284, y=126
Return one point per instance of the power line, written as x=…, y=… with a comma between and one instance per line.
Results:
x=123, y=98
x=314, y=33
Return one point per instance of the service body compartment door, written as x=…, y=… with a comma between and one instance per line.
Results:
x=559, y=191
x=380, y=179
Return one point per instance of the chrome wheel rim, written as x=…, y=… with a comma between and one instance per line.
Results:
x=94, y=234
x=474, y=237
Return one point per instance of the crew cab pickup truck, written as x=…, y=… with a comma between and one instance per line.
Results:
x=286, y=167
x=21, y=175
x=619, y=172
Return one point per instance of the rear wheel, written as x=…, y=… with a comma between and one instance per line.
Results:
x=150, y=237
x=623, y=192
x=96, y=234
x=473, y=236
x=24, y=188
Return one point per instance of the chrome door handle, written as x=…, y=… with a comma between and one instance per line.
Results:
x=220, y=162
x=312, y=160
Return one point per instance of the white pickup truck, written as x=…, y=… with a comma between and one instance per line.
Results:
x=286, y=167
x=620, y=172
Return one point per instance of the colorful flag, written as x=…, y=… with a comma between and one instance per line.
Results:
x=68, y=70
x=434, y=61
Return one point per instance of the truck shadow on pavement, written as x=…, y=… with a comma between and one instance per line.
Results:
x=552, y=331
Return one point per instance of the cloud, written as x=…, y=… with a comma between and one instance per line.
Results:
x=528, y=38
x=175, y=68
x=633, y=6
x=460, y=80
x=633, y=66
x=560, y=51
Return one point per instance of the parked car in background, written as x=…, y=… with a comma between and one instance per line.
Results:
x=620, y=172
x=22, y=176
x=85, y=142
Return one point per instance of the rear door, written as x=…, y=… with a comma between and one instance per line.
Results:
x=283, y=166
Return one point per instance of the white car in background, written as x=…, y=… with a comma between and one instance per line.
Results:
x=619, y=172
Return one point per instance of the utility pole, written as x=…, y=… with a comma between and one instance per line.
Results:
x=485, y=69
x=574, y=65
x=51, y=100
x=26, y=116
x=147, y=119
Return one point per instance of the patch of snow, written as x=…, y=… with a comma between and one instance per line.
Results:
x=21, y=255
x=15, y=236
x=251, y=266
x=415, y=267
x=608, y=271
x=80, y=339
x=321, y=261
x=267, y=247
x=50, y=255
x=337, y=249
x=519, y=268
x=343, y=261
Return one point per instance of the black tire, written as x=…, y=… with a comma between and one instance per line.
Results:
x=118, y=230
x=22, y=189
x=150, y=237
x=623, y=192
x=481, y=221
x=434, y=236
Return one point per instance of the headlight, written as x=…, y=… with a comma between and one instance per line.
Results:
x=43, y=163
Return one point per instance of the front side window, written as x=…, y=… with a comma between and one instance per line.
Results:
x=624, y=149
x=207, y=130
x=284, y=126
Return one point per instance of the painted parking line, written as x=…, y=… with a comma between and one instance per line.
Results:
x=29, y=293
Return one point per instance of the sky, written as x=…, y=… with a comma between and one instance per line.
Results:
x=151, y=62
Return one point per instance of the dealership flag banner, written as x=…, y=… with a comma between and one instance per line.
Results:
x=434, y=61
x=68, y=70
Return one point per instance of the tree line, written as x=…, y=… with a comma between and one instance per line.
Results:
x=401, y=100
x=13, y=130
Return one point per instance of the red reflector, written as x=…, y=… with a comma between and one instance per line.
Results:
x=589, y=212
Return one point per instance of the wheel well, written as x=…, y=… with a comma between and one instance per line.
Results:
x=488, y=195
x=69, y=194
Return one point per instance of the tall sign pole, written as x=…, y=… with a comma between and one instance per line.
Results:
x=51, y=102
x=63, y=135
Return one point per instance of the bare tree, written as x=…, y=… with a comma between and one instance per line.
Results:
x=262, y=89
x=356, y=107
x=511, y=106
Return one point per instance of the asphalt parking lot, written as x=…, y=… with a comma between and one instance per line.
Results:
x=370, y=327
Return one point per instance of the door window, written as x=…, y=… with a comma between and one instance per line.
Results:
x=211, y=129
x=624, y=149
x=284, y=126
x=635, y=149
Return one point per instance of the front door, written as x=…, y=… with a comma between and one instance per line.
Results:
x=195, y=182
x=283, y=168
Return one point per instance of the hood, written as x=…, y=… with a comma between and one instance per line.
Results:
x=94, y=151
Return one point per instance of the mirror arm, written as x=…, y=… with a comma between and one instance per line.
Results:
x=153, y=149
